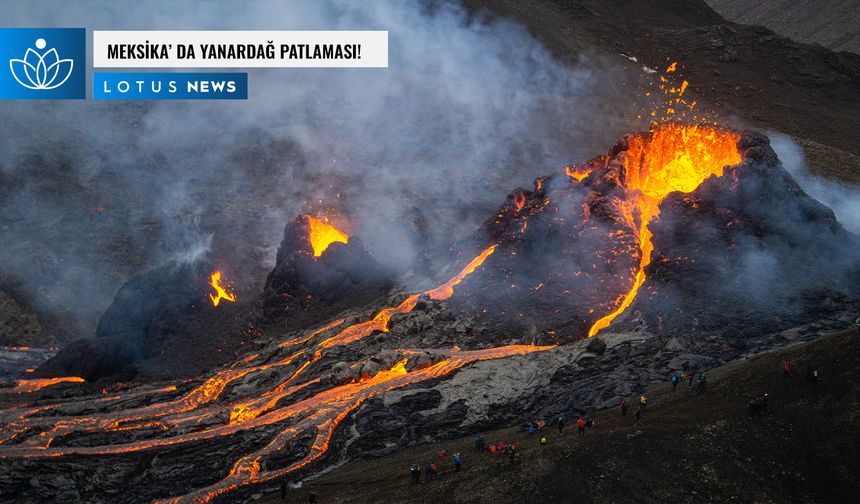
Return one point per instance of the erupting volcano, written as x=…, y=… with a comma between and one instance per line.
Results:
x=671, y=158
x=337, y=342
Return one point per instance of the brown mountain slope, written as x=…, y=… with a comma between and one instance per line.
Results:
x=766, y=79
x=833, y=24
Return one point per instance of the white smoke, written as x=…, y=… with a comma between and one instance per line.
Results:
x=843, y=198
x=467, y=110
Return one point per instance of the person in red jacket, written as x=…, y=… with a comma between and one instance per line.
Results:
x=580, y=424
x=786, y=368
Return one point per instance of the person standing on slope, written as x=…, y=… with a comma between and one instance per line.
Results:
x=702, y=382
x=480, y=443
x=580, y=424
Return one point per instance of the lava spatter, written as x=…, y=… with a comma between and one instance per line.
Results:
x=220, y=291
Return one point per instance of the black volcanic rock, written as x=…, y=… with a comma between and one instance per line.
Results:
x=303, y=289
x=24, y=323
x=151, y=314
x=746, y=253
x=737, y=253
x=596, y=346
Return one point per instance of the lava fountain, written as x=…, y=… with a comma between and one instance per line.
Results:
x=672, y=157
x=220, y=291
x=321, y=234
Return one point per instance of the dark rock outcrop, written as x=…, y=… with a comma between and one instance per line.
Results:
x=303, y=289
x=158, y=312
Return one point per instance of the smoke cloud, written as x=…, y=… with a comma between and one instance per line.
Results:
x=842, y=198
x=413, y=157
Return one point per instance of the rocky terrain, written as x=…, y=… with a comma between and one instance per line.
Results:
x=411, y=368
x=676, y=250
x=687, y=448
x=747, y=75
x=831, y=24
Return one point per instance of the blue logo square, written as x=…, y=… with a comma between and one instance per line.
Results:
x=43, y=63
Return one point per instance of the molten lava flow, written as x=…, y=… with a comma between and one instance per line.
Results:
x=377, y=323
x=220, y=292
x=321, y=234
x=326, y=410
x=446, y=290
x=305, y=339
x=40, y=383
x=672, y=158
x=198, y=415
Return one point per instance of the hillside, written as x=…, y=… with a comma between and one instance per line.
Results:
x=832, y=24
x=744, y=72
x=689, y=447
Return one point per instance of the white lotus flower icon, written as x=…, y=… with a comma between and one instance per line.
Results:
x=41, y=71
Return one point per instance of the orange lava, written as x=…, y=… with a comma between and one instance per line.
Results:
x=327, y=409
x=40, y=383
x=519, y=201
x=220, y=292
x=446, y=290
x=377, y=323
x=198, y=415
x=577, y=174
x=321, y=234
x=673, y=157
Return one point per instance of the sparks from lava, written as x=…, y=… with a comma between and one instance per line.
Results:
x=673, y=157
x=674, y=106
x=321, y=234
x=220, y=292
